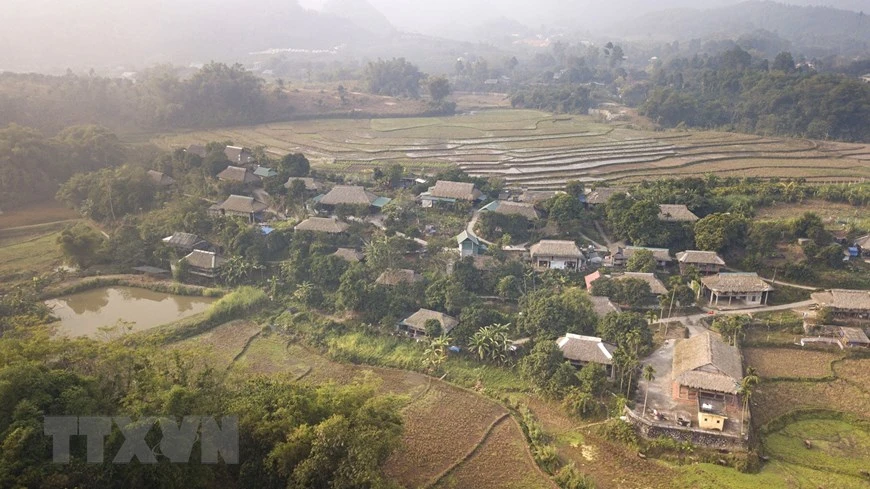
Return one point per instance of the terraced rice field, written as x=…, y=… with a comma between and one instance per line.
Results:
x=539, y=150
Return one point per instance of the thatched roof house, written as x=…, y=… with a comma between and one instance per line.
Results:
x=581, y=350
x=705, y=363
x=510, y=208
x=160, y=179
x=238, y=154
x=602, y=194
x=415, y=324
x=676, y=213
x=602, y=306
x=398, y=276
x=703, y=261
x=310, y=183
x=204, y=263
x=619, y=255
x=351, y=195
x=237, y=174
x=349, y=254
x=845, y=302
x=747, y=288
x=322, y=225
x=186, y=242
x=446, y=189
x=240, y=206
x=656, y=286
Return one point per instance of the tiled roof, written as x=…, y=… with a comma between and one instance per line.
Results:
x=447, y=189
x=242, y=204
x=536, y=196
x=265, y=172
x=237, y=154
x=700, y=257
x=735, y=282
x=655, y=285
x=855, y=336
x=843, y=299
x=555, y=247
x=237, y=174
x=418, y=320
x=348, y=194
x=676, y=213
x=705, y=362
x=463, y=236
x=322, y=225
x=206, y=260
x=586, y=349
x=396, y=276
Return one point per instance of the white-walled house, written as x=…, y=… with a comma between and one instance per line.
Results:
x=557, y=255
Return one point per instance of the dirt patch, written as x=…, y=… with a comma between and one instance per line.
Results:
x=224, y=342
x=854, y=371
x=501, y=462
x=789, y=362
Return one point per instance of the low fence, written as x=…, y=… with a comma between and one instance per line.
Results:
x=702, y=438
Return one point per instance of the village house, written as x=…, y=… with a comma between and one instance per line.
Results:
x=581, y=350
x=676, y=213
x=602, y=306
x=536, y=196
x=509, y=208
x=160, y=179
x=415, y=324
x=238, y=174
x=706, y=262
x=239, y=206
x=744, y=289
x=352, y=195
x=197, y=149
x=450, y=192
x=853, y=337
x=863, y=245
x=204, y=263
x=263, y=172
x=844, y=303
x=311, y=184
x=239, y=155
x=656, y=287
x=620, y=255
x=349, y=254
x=187, y=242
x=557, y=255
x=398, y=276
x=469, y=245
x=707, y=372
x=601, y=195
x=329, y=225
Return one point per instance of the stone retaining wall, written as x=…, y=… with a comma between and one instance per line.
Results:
x=702, y=438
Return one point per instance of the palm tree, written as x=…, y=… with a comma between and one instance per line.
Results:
x=745, y=390
x=649, y=374
x=479, y=342
x=436, y=352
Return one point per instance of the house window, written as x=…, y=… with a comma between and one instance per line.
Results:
x=543, y=264
x=570, y=264
x=754, y=298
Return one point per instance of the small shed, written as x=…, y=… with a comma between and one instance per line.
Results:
x=853, y=337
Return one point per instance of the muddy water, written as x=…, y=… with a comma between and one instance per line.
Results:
x=84, y=313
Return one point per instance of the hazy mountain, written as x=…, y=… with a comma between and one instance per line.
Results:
x=810, y=29
x=45, y=35
x=362, y=14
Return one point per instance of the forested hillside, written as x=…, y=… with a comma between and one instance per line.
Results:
x=735, y=92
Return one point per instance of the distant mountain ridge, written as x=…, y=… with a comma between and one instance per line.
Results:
x=807, y=27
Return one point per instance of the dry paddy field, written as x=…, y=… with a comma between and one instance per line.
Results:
x=539, y=150
x=452, y=436
x=778, y=363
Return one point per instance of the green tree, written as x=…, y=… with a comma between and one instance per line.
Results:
x=433, y=328
x=294, y=165
x=641, y=261
x=80, y=245
x=649, y=374
x=720, y=232
x=435, y=353
x=439, y=88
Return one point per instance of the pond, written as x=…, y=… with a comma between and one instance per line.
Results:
x=84, y=313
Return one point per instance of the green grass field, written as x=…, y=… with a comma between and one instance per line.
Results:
x=538, y=150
